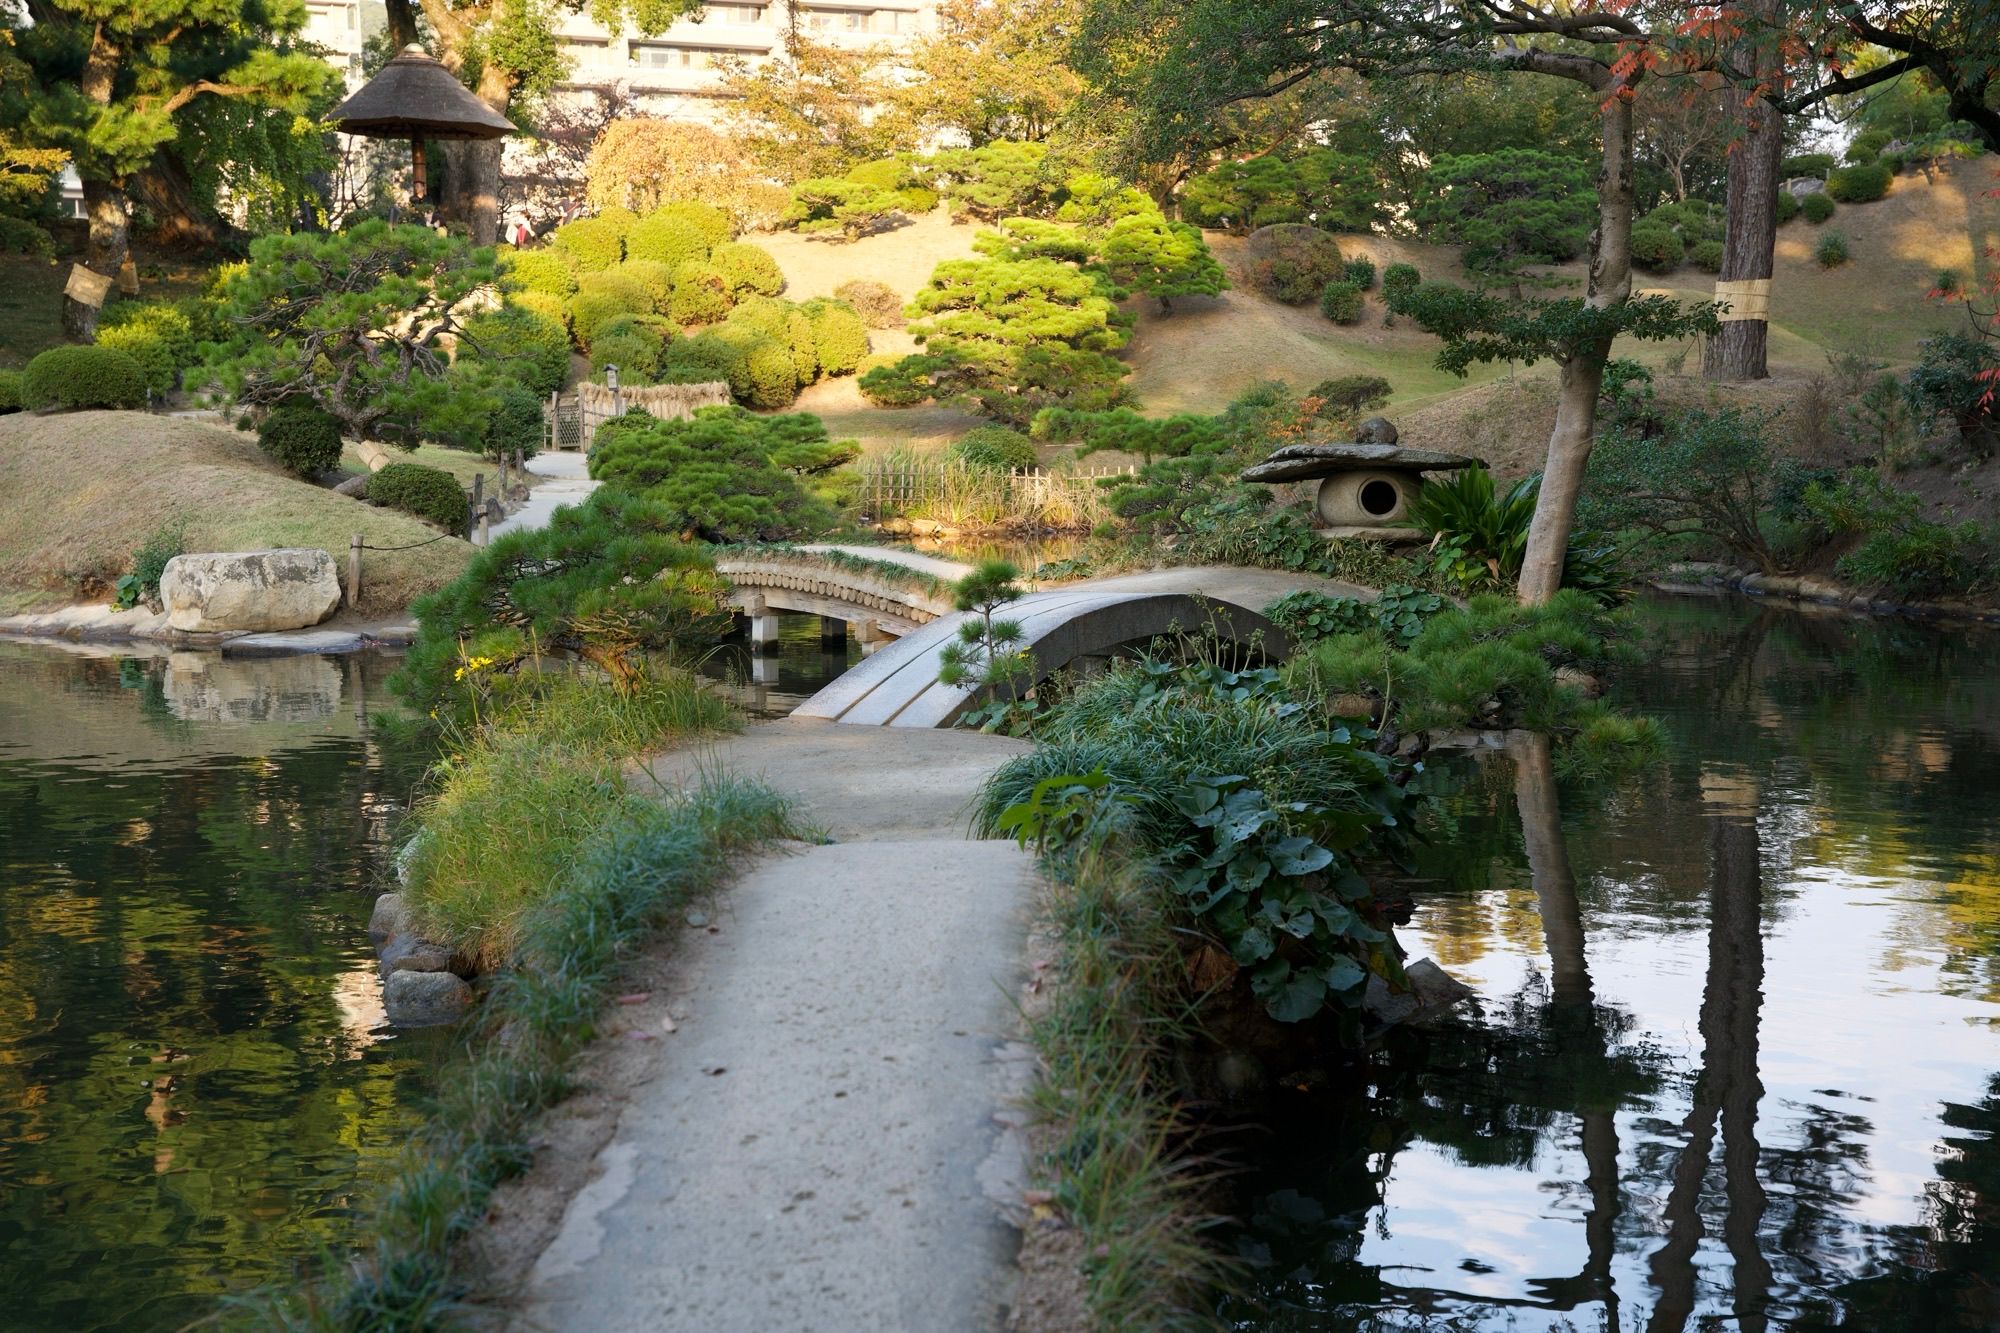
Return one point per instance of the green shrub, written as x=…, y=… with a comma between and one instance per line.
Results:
x=10, y=391
x=20, y=236
x=1351, y=395
x=748, y=269
x=655, y=278
x=1707, y=255
x=1859, y=184
x=552, y=308
x=1923, y=559
x=1831, y=252
x=703, y=359
x=546, y=270
x=1400, y=278
x=635, y=350
x=515, y=423
x=840, y=336
x=156, y=334
x=714, y=224
x=1788, y=206
x=629, y=287
x=726, y=475
x=590, y=312
x=532, y=347
x=1341, y=302
x=664, y=238
x=878, y=307
x=301, y=438
x=1293, y=262
x=429, y=493
x=903, y=381
x=1360, y=271
x=1868, y=145
x=595, y=244
x=78, y=377
x=150, y=561
x=1806, y=164
x=1817, y=207
x=1657, y=249
x=993, y=449
x=1954, y=380
x=770, y=375
x=701, y=294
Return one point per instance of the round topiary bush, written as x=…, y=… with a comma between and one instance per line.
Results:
x=157, y=334
x=712, y=222
x=602, y=298
x=701, y=294
x=1657, y=249
x=703, y=359
x=840, y=338
x=1360, y=271
x=655, y=278
x=1806, y=164
x=878, y=307
x=516, y=423
x=546, y=270
x=993, y=449
x=429, y=493
x=1859, y=184
x=76, y=377
x=10, y=391
x=1341, y=302
x=628, y=346
x=594, y=244
x=1400, y=278
x=748, y=269
x=1788, y=206
x=1817, y=206
x=1707, y=256
x=770, y=377
x=666, y=239
x=301, y=438
x=1294, y=262
x=1831, y=252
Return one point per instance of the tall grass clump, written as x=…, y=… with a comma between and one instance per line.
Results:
x=533, y=826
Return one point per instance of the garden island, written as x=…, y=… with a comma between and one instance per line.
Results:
x=1000, y=664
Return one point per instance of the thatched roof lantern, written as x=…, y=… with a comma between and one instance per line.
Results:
x=416, y=98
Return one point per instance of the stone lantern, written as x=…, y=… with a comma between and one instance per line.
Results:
x=1365, y=488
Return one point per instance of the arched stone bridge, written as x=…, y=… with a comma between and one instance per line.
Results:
x=882, y=594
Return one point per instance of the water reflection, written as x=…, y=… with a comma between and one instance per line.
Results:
x=195, y=1087
x=1737, y=1069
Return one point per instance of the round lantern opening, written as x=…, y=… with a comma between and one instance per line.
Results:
x=1379, y=497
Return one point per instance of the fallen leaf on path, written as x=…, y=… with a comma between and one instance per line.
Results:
x=668, y=1024
x=636, y=997
x=638, y=1034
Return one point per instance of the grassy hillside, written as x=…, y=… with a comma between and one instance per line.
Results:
x=80, y=492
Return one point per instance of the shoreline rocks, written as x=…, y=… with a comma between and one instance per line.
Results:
x=424, y=983
x=254, y=591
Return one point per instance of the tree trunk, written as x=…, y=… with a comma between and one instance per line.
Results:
x=110, y=246
x=1737, y=351
x=401, y=20
x=474, y=184
x=164, y=190
x=1583, y=373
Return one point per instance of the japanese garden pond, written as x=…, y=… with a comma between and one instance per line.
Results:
x=197, y=1091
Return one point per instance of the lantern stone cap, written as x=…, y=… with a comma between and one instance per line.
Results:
x=416, y=97
x=1303, y=462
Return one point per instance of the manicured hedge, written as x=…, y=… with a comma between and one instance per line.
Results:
x=840, y=336
x=1294, y=262
x=1341, y=302
x=993, y=449
x=667, y=239
x=595, y=244
x=77, y=377
x=711, y=221
x=1788, y=206
x=878, y=307
x=701, y=294
x=157, y=334
x=301, y=438
x=535, y=347
x=1859, y=184
x=427, y=492
x=1818, y=207
x=1707, y=256
x=547, y=270
x=10, y=391
x=1657, y=249
x=748, y=269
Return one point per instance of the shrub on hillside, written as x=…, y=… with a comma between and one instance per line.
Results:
x=701, y=294
x=594, y=244
x=748, y=269
x=551, y=308
x=301, y=438
x=1360, y=270
x=1509, y=208
x=643, y=162
x=1400, y=278
x=532, y=347
x=1955, y=381
x=1293, y=262
x=1806, y=164
x=667, y=238
x=654, y=278
x=878, y=307
x=1657, y=249
x=157, y=334
x=1707, y=256
x=840, y=338
x=1831, y=252
x=515, y=423
x=10, y=391
x=1351, y=395
x=634, y=349
x=1817, y=207
x=905, y=381
x=993, y=449
x=590, y=311
x=712, y=221
x=77, y=377
x=429, y=493
x=20, y=236
x=1859, y=184
x=702, y=359
x=1341, y=302
x=1788, y=206
x=545, y=270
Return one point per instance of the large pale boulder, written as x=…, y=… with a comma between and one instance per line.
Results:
x=250, y=590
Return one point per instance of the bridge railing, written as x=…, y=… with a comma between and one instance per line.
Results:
x=957, y=495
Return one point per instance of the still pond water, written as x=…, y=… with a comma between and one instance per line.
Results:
x=1738, y=1065
x=196, y=1088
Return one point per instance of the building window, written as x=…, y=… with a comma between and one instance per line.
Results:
x=885, y=21
x=663, y=55
x=733, y=13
